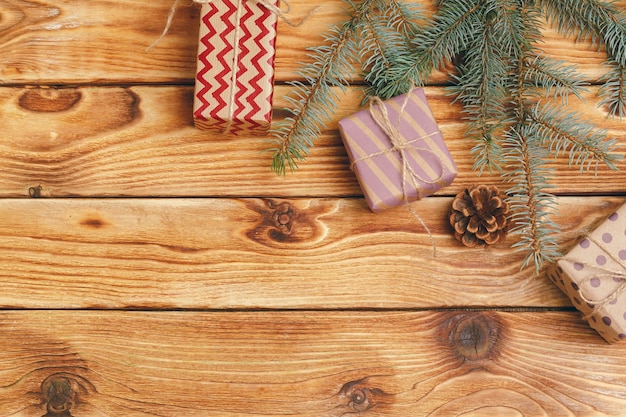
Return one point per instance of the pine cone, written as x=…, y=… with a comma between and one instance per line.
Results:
x=479, y=216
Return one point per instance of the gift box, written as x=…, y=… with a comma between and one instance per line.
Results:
x=593, y=275
x=235, y=73
x=396, y=151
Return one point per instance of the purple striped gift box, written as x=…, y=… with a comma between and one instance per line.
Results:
x=380, y=165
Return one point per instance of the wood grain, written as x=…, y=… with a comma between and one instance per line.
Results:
x=261, y=253
x=140, y=141
x=307, y=364
x=54, y=41
x=240, y=293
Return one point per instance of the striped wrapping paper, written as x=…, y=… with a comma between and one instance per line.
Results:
x=235, y=74
x=379, y=168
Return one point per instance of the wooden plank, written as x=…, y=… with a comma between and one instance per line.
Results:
x=140, y=141
x=97, y=41
x=307, y=364
x=262, y=253
x=56, y=42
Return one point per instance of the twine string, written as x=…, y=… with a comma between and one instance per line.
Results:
x=265, y=3
x=401, y=145
x=235, y=66
x=605, y=273
x=380, y=115
x=168, y=24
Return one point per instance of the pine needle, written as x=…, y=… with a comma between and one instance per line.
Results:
x=314, y=101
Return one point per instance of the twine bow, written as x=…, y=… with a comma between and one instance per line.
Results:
x=399, y=144
x=605, y=273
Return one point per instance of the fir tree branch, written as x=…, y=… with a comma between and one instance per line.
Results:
x=451, y=30
x=483, y=94
x=402, y=25
x=406, y=18
x=315, y=101
x=602, y=23
x=506, y=18
x=403, y=18
x=378, y=40
x=562, y=132
x=555, y=76
x=613, y=91
x=454, y=27
x=583, y=19
x=374, y=26
x=526, y=167
x=528, y=201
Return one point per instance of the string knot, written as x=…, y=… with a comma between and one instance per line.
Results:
x=603, y=274
x=402, y=146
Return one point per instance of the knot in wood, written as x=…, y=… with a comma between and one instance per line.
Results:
x=35, y=192
x=285, y=225
x=283, y=216
x=58, y=393
x=47, y=99
x=360, y=398
x=474, y=336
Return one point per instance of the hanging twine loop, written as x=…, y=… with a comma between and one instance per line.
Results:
x=380, y=115
x=265, y=3
x=605, y=273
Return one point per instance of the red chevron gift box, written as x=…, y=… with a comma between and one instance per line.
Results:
x=396, y=151
x=235, y=74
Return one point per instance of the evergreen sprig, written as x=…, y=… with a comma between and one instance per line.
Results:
x=481, y=86
x=387, y=38
x=314, y=100
x=601, y=23
x=562, y=134
x=528, y=200
x=514, y=96
x=373, y=34
x=525, y=159
x=613, y=91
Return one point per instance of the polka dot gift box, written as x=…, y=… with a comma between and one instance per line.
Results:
x=593, y=275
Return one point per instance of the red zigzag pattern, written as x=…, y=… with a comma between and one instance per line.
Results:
x=251, y=50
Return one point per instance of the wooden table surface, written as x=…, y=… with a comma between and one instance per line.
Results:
x=166, y=271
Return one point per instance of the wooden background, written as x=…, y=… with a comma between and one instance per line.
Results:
x=166, y=271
